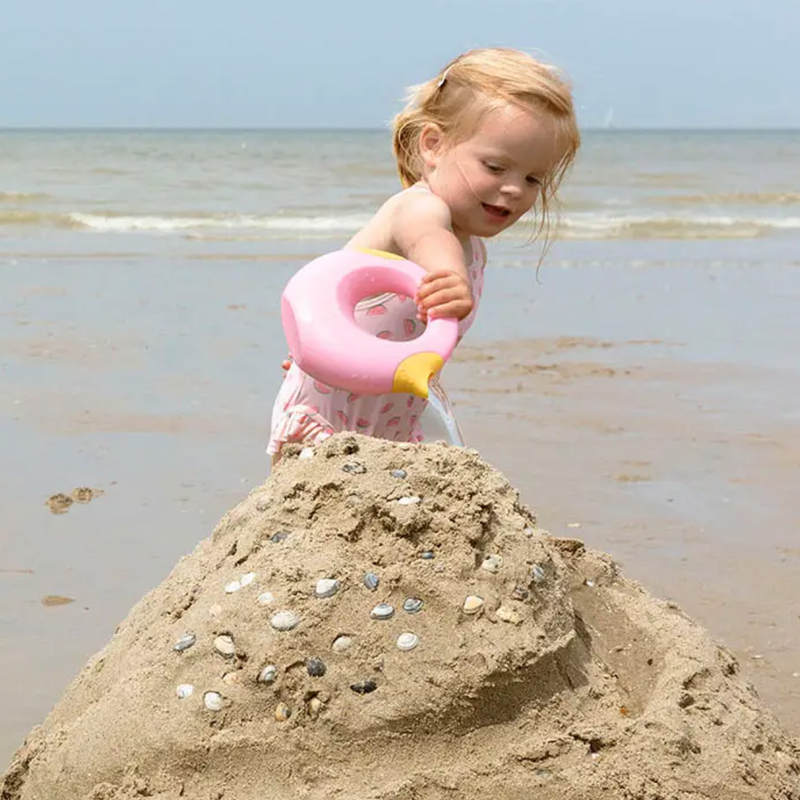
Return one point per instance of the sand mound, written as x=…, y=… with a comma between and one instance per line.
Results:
x=568, y=681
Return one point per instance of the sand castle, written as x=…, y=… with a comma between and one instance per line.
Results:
x=384, y=622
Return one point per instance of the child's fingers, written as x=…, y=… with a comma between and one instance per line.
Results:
x=455, y=308
x=441, y=290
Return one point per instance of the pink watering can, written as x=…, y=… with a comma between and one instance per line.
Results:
x=326, y=342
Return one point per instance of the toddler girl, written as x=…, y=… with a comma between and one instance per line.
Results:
x=477, y=147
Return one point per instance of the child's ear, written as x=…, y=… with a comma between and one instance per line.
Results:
x=431, y=144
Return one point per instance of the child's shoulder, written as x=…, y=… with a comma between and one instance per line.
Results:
x=404, y=211
x=419, y=205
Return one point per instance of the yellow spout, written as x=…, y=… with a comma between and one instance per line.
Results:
x=414, y=373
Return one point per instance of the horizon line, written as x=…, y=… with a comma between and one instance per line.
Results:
x=349, y=129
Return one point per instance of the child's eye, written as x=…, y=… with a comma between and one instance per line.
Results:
x=495, y=168
x=533, y=180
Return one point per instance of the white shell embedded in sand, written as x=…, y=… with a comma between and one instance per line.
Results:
x=266, y=599
x=184, y=690
x=285, y=621
x=473, y=604
x=268, y=674
x=314, y=707
x=306, y=452
x=247, y=579
x=185, y=642
x=412, y=605
x=492, y=563
x=327, y=587
x=213, y=701
x=232, y=587
x=408, y=501
x=508, y=615
x=341, y=643
x=224, y=645
x=407, y=641
x=382, y=611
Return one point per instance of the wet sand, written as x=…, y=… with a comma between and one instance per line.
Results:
x=649, y=412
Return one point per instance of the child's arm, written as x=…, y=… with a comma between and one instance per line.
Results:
x=421, y=229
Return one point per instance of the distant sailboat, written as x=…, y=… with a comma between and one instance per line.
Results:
x=608, y=122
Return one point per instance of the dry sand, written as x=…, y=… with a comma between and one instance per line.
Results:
x=569, y=682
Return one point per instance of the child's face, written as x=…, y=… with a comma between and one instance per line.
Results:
x=494, y=177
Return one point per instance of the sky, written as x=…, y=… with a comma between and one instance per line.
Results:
x=346, y=63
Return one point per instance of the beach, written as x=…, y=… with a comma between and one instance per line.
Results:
x=639, y=391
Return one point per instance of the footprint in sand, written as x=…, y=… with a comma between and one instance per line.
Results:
x=60, y=503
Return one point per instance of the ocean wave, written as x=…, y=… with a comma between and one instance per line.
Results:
x=734, y=198
x=16, y=217
x=582, y=225
x=22, y=197
x=644, y=226
x=238, y=222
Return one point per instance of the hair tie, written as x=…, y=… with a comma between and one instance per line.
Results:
x=443, y=79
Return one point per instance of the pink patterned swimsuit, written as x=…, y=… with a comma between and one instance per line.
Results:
x=306, y=410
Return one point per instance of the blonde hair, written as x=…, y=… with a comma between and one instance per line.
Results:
x=478, y=81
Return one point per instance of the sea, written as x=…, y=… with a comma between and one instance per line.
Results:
x=141, y=193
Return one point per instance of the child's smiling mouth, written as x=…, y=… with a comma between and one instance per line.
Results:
x=496, y=212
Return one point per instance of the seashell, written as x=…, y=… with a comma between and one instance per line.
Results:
x=371, y=581
x=282, y=712
x=589, y=583
x=184, y=643
x=232, y=587
x=409, y=501
x=265, y=599
x=412, y=605
x=184, y=690
x=400, y=474
x=224, y=645
x=213, y=701
x=341, y=643
x=314, y=707
x=492, y=563
x=354, y=468
x=316, y=667
x=538, y=574
x=306, y=452
x=428, y=555
x=327, y=587
x=268, y=674
x=507, y=615
x=473, y=604
x=247, y=579
x=284, y=621
x=279, y=536
x=364, y=687
x=407, y=641
x=382, y=611
x=520, y=593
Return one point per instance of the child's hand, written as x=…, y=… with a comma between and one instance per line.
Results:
x=444, y=294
